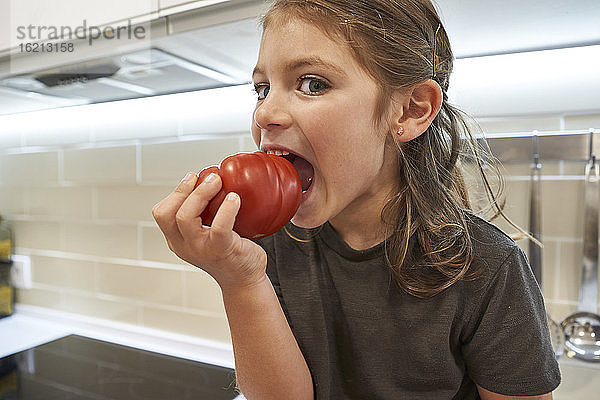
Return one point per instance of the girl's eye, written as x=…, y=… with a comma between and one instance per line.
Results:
x=262, y=91
x=313, y=86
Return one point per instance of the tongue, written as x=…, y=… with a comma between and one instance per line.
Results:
x=305, y=170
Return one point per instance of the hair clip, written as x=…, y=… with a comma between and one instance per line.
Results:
x=434, y=73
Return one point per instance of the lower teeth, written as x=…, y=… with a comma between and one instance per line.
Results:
x=309, y=185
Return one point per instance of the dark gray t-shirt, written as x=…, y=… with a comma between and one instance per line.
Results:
x=363, y=338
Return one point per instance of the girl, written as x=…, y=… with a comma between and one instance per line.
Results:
x=385, y=285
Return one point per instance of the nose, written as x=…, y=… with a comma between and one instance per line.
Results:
x=272, y=113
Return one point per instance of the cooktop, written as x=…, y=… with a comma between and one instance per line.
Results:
x=76, y=367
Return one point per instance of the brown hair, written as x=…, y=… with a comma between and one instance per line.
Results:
x=429, y=246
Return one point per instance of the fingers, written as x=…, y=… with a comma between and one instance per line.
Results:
x=188, y=217
x=164, y=212
x=179, y=217
x=225, y=218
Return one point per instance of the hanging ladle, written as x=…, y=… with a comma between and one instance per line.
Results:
x=582, y=329
x=535, y=251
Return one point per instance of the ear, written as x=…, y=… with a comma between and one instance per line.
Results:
x=419, y=107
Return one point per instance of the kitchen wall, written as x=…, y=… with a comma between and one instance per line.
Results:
x=561, y=206
x=79, y=183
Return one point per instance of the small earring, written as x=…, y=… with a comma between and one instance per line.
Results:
x=400, y=131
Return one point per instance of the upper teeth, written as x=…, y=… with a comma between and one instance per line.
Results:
x=278, y=152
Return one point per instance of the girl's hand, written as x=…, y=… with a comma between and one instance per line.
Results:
x=231, y=260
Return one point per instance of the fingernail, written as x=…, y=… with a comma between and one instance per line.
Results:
x=210, y=177
x=188, y=177
x=232, y=196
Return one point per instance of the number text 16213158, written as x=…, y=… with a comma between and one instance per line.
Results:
x=46, y=47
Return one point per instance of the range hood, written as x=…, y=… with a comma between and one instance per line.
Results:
x=193, y=50
x=125, y=76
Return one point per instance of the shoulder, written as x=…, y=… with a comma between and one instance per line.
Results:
x=490, y=244
x=504, y=320
x=487, y=238
x=495, y=254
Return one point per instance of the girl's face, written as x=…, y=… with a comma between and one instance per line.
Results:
x=317, y=102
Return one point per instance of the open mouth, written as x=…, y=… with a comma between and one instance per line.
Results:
x=304, y=168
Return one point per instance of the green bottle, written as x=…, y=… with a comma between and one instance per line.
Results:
x=7, y=292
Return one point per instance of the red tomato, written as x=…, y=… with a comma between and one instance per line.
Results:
x=269, y=187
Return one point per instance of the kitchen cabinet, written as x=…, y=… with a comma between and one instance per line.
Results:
x=195, y=15
x=30, y=21
x=167, y=7
x=188, y=4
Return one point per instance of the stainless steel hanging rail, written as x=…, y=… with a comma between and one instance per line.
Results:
x=516, y=147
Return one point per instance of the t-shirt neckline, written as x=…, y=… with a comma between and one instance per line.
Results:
x=337, y=244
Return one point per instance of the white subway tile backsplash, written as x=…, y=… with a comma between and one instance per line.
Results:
x=155, y=248
x=37, y=234
x=203, y=292
x=58, y=126
x=98, y=307
x=107, y=240
x=60, y=272
x=37, y=169
x=49, y=298
x=152, y=118
x=67, y=202
x=248, y=143
x=109, y=165
x=149, y=285
x=212, y=327
x=519, y=124
x=219, y=111
x=12, y=200
x=11, y=127
x=583, y=121
x=11, y=139
x=168, y=163
x=129, y=202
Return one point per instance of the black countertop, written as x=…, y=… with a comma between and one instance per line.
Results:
x=76, y=367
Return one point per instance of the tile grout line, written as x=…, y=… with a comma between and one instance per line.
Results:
x=95, y=204
x=119, y=299
x=140, y=242
x=138, y=163
x=97, y=286
x=61, y=166
x=557, y=270
x=93, y=144
x=101, y=259
x=184, y=290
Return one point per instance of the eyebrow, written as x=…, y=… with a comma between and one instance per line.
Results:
x=309, y=61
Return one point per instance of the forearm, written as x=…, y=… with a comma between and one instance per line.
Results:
x=268, y=361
